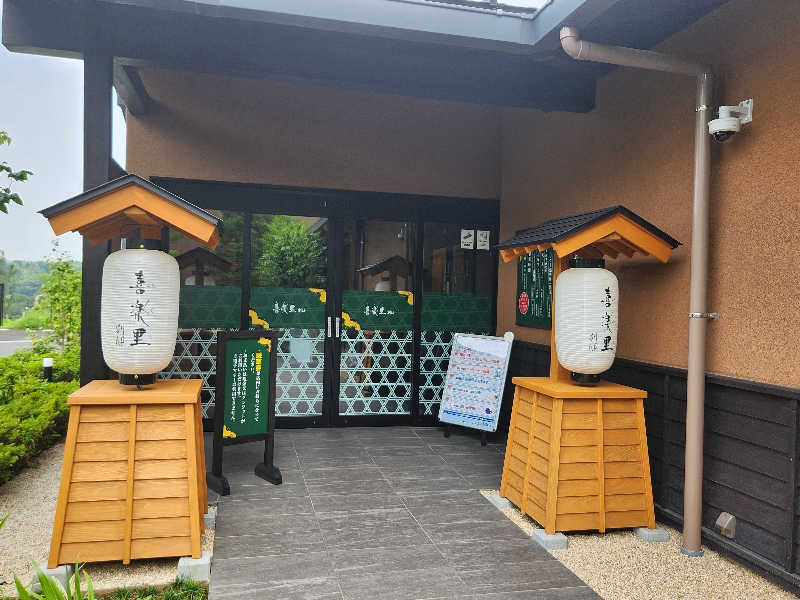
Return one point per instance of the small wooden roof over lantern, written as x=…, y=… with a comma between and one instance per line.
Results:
x=607, y=232
x=121, y=206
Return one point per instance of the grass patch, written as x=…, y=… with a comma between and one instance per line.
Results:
x=181, y=589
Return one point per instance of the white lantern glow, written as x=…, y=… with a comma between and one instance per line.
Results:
x=139, y=310
x=586, y=307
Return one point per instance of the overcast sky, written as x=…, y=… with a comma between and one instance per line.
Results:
x=41, y=100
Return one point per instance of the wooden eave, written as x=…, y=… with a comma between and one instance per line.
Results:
x=125, y=205
x=610, y=237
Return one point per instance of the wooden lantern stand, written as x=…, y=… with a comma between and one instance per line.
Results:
x=576, y=457
x=132, y=481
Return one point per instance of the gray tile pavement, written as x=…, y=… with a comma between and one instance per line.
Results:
x=376, y=514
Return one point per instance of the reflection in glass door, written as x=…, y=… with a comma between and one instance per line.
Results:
x=376, y=337
x=288, y=291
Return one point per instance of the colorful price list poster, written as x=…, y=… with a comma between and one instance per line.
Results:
x=476, y=376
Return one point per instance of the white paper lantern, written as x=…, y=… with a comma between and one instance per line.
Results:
x=139, y=310
x=586, y=306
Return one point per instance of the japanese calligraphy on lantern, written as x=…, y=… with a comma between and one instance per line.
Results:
x=246, y=387
x=535, y=290
x=134, y=331
x=476, y=376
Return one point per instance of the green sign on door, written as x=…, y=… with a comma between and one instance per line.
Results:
x=535, y=289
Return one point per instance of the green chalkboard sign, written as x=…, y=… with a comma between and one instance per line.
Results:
x=247, y=383
x=245, y=392
x=535, y=290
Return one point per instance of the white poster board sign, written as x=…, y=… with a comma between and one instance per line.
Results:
x=476, y=376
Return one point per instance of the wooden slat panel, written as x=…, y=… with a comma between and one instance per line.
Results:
x=577, y=522
x=623, y=502
x=579, y=437
x=513, y=495
x=101, y=510
x=160, y=469
x=544, y=415
x=619, y=405
x=194, y=485
x=165, y=412
x=517, y=466
x=542, y=431
x=98, y=551
x=538, y=480
x=152, y=548
x=545, y=402
x=519, y=452
x=64, y=486
x=577, y=406
x=577, y=471
x=538, y=496
x=620, y=437
x=525, y=409
x=97, y=531
x=103, y=432
x=155, y=430
x=101, y=451
x=578, y=504
x=163, y=449
x=630, y=518
x=542, y=448
x=519, y=436
x=578, y=455
x=579, y=421
x=538, y=464
x=615, y=470
x=160, y=527
x=537, y=513
x=97, y=490
x=622, y=453
x=100, y=470
x=612, y=420
x=160, y=488
x=628, y=485
x=151, y=508
x=578, y=487
x=104, y=414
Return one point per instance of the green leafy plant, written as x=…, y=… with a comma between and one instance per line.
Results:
x=6, y=193
x=292, y=255
x=53, y=590
x=62, y=297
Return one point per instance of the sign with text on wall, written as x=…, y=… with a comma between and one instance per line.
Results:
x=535, y=290
x=476, y=376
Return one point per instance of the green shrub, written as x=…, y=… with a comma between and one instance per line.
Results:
x=34, y=318
x=33, y=412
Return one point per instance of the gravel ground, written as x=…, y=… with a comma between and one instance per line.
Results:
x=620, y=566
x=32, y=496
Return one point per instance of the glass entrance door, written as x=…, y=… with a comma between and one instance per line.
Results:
x=375, y=329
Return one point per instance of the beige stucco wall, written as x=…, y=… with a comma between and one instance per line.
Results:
x=231, y=129
x=635, y=149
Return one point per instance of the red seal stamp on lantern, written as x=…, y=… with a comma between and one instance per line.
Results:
x=524, y=303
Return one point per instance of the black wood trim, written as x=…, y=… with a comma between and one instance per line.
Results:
x=416, y=288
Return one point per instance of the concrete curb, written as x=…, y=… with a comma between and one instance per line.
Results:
x=557, y=541
x=196, y=569
x=500, y=503
x=659, y=534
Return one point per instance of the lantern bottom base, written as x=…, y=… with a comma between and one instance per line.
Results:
x=137, y=379
x=585, y=378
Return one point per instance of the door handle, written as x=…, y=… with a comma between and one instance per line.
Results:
x=338, y=327
x=329, y=326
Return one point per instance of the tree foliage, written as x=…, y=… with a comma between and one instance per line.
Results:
x=292, y=256
x=7, y=195
x=62, y=297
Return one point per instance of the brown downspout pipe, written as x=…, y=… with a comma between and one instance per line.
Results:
x=695, y=389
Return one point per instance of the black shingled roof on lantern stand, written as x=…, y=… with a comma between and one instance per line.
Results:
x=555, y=230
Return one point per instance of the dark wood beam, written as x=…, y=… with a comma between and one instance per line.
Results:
x=131, y=92
x=97, y=82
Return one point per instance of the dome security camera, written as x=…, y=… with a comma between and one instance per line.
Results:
x=730, y=120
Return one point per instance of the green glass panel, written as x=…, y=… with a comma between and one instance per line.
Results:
x=209, y=307
x=372, y=311
x=289, y=307
x=456, y=312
